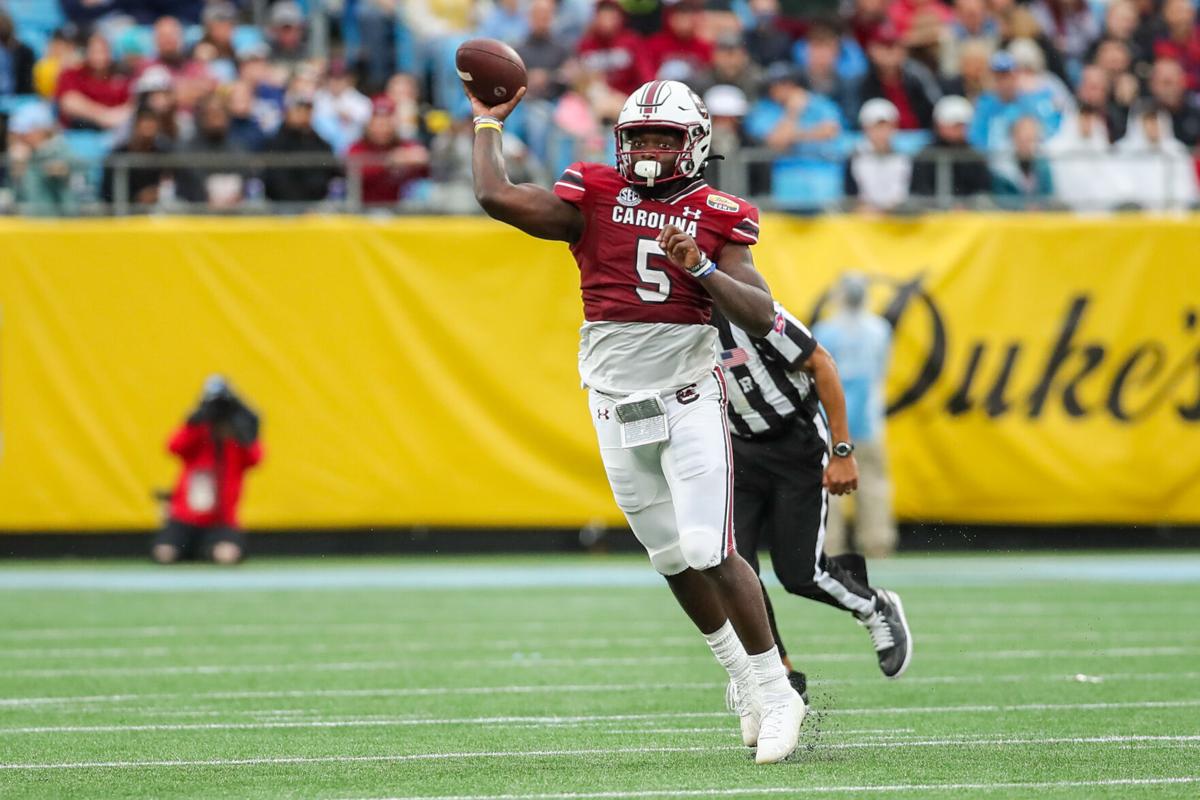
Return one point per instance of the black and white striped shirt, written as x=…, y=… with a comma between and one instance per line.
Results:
x=768, y=392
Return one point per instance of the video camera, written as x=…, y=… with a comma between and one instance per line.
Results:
x=219, y=403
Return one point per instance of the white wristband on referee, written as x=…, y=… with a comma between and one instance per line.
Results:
x=703, y=268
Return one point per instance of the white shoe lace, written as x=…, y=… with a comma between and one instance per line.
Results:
x=881, y=632
x=772, y=724
x=739, y=703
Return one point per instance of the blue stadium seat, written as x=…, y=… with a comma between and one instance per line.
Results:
x=89, y=148
x=88, y=145
x=911, y=142
x=907, y=142
x=806, y=184
x=246, y=36
x=35, y=20
x=132, y=39
x=39, y=15
x=11, y=102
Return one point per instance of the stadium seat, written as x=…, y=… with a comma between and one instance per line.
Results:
x=911, y=142
x=89, y=148
x=906, y=142
x=89, y=145
x=35, y=15
x=245, y=36
x=806, y=184
x=132, y=39
x=10, y=103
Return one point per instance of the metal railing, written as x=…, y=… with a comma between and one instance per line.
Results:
x=1084, y=181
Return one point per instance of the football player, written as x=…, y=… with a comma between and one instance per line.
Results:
x=656, y=247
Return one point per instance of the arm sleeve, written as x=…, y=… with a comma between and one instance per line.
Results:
x=789, y=340
x=252, y=454
x=569, y=187
x=186, y=439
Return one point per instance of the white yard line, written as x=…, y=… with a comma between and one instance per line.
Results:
x=504, y=754
x=581, y=719
x=432, y=691
x=1024, y=615
x=797, y=790
x=336, y=759
x=851, y=639
x=527, y=661
x=349, y=666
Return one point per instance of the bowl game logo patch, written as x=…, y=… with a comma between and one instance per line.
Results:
x=721, y=203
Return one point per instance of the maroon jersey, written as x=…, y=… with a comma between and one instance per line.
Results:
x=623, y=273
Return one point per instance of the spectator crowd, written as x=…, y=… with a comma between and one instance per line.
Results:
x=878, y=105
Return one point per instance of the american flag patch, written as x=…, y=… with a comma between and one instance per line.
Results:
x=734, y=358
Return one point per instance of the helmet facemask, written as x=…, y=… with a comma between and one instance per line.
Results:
x=644, y=167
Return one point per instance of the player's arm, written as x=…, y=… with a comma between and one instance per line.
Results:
x=734, y=284
x=533, y=209
x=841, y=476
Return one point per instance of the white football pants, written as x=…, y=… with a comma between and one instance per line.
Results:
x=677, y=495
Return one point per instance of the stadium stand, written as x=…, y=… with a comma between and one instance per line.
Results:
x=1093, y=87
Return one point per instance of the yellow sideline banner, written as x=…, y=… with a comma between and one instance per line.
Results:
x=422, y=371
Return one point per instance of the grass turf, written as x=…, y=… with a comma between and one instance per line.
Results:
x=1063, y=677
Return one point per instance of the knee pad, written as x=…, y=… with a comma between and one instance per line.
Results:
x=702, y=548
x=668, y=561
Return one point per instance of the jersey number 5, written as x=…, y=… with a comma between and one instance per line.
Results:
x=652, y=270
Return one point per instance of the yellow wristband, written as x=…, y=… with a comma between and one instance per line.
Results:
x=493, y=125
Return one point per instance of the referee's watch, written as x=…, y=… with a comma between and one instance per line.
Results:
x=843, y=449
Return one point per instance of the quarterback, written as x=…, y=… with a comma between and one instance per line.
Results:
x=657, y=247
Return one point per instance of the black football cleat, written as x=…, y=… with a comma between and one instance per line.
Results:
x=800, y=683
x=889, y=633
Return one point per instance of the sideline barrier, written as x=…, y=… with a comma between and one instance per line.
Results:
x=422, y=371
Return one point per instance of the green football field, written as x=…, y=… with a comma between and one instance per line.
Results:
x=1068, y=676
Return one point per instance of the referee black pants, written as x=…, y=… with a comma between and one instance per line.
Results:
x=779, y=503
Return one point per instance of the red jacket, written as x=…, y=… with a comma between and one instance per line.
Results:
x=382, y=183
x=618, y=58
x=666, y=46
x=110, y=90
x=212, y=484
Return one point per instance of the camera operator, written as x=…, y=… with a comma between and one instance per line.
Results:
x=217, y=444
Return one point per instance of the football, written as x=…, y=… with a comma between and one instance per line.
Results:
x=492, y=71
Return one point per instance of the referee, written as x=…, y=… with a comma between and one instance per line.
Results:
x=787, y=459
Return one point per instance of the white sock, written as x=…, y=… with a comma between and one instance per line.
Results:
x=727, y=647
x=771, y=674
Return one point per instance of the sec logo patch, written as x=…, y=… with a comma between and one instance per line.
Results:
x=629, y=197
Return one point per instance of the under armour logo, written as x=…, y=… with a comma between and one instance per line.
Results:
x=694, y=213
x=601, y=413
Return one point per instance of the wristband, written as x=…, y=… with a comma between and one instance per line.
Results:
x=482, y=123
x=703, y=268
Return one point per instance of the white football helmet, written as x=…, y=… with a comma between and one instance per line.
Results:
x=663, y=104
